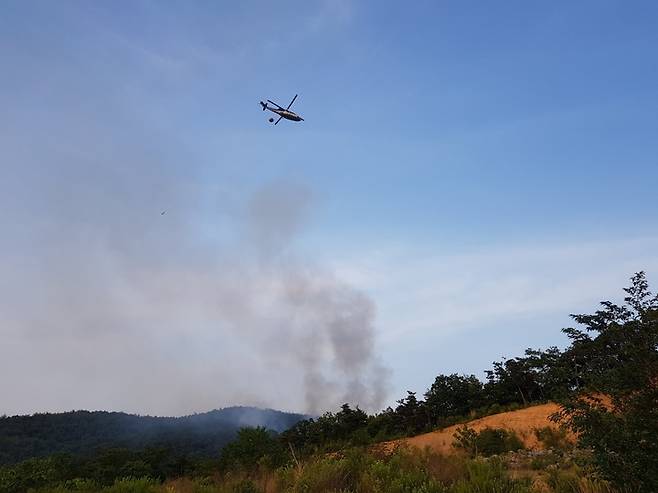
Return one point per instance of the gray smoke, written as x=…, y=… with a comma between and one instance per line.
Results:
x=313, y=319
x=107, y=304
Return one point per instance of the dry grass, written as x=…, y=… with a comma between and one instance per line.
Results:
x=523, y=422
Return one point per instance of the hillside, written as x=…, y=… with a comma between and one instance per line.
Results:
x=523, y=422
x=82, y=432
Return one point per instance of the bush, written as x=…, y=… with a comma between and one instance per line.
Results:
x=125, y=485
x=541, y=462
x=245, y=486
x=405, y=471
x=553, y=438
x=387, y=477
x=465, y=438
x=82, y=485
x=324, y=474
x=489, y=477
x=569, y=482
x=132, y=485
x=413, y=470
x=489, y=441
x=493, y=441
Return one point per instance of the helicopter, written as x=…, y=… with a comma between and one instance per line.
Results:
x=281, y=111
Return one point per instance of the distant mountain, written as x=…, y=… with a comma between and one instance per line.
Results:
x=82, y=432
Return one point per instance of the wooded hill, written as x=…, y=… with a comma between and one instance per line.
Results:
x=84, y=432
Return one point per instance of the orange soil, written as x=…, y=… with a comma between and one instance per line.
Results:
x=523, y=422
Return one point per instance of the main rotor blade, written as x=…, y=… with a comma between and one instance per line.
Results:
x=278, y=120
x=293, y=100
x=275, y=104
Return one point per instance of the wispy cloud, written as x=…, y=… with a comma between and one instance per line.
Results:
x=419, y=290
x=331, y=14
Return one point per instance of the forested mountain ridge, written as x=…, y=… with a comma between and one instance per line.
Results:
x=81, y=432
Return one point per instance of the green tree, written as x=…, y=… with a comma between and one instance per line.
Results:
x=36, y=473
x=251, y=448
x=349, y=421
x=454, y=395
x=512, y=380
x=553, y=377
x=615, y=411
x=412, y=415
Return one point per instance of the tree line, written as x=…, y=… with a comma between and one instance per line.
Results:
x=81, y=433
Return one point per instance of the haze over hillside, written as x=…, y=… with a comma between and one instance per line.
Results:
x=83, y=432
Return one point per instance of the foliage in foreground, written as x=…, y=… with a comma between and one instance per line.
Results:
x=621, y=363
x=404, y=471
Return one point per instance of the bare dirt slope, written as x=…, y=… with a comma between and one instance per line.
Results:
x=523, y=422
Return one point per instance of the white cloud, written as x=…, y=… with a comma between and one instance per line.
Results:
x=331, y=14
x=417, y=290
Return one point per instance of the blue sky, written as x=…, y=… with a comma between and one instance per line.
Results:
x=477, y=172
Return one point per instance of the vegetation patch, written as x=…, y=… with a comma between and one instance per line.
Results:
x=487, y=442
x=553, y=438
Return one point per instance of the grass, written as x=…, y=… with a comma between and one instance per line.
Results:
x=358, y=471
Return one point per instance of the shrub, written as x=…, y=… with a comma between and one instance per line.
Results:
x=489, y=477
x=541, y=462
x=465, y=438
x=325, y=474
x=569, y=482
x=492, y=441
x=388, y=477
x=553, y=438
x=245, y=486
x=132, y=485
x=413, y=470
x=489, y=441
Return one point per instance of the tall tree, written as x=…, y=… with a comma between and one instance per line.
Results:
x=253, y=447
x=615, y=411
x=411, y=414
x=512, y=380
x=454, y=395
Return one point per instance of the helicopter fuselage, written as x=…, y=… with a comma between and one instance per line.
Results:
x=287, y=114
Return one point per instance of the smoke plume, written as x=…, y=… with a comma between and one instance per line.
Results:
x=312, y=320
x=106, y=303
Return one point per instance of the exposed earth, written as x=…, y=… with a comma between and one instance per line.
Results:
x=523, y=422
